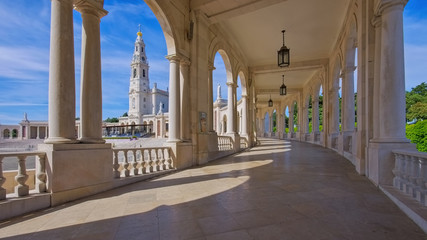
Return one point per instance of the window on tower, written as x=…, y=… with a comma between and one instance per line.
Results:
x=134, y=73
x=144, y=99
x=143, y=59
x=136, y=48
x=142, y=49
x=143, y=72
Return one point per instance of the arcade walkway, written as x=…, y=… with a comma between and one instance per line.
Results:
x=279, y=190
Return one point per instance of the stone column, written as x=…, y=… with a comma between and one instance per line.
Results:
x=230, y=109
x=334, y=108
x=291, y=118
x=91, y=83
x=185, y=101
x=315, y=114
x=392, y=74
x=62, y=100
x=347, y=108
x=38, y=133
x=244, y=115
x=174, y=99
x=45, y=132
x=210, y=97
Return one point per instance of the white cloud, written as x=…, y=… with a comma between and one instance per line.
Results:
x=23, y=62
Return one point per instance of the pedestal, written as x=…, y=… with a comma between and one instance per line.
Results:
x=382, y=160
x=77, y=170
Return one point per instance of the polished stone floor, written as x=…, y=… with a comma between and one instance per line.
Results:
x=278, y=190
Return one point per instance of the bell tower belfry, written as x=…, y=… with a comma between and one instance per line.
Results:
x=139, y=86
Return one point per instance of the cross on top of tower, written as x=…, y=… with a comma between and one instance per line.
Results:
x=139, y=33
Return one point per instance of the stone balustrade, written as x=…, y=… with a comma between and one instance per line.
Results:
x=410, y=174
x=244, y=142
x=21, y=188
x=225, y=143
x=138, y=161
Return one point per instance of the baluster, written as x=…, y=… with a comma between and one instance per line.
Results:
x=143, y=162
x=397, y=171
x=41, y=173
x=126, y=164
x=161, y=159
x=412, y=175
x=21, y=189
x=135, y=163
x=424, y=181
x=154, y=160
x=149, y=160
x=116, y=165
x=2, y=180
x=169, y=159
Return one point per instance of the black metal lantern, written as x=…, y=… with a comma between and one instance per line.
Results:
x=283, y=87
x=270, y=102
x=283, y=55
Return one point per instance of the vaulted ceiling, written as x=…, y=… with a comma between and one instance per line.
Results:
x=312, y=28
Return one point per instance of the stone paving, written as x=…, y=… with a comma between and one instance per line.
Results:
x=278, y=190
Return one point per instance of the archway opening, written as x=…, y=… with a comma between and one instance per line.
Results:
x=286, y=121
x=321, y=109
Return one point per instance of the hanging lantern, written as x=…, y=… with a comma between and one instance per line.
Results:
x=283, y=55
x=270, y=102
x=283, y=87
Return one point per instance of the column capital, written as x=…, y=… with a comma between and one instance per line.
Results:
x=185, y=62
x=173, y=58
x=244, y=96
x=348, y=70
x=211, y=66
x=386, y=5
x=93, y=7
x=376, y=21
x=230, y=84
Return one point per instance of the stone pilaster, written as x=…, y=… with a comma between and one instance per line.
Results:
x=185, y=100
x=347, y=108
x=244, y=115
x=230, y=109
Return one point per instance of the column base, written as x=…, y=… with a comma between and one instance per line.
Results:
x=173, y=140
x=92, y=140
x=60, y=140
x=182, y=154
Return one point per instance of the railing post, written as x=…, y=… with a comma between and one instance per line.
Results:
x=2, y=180
x=22, y=189
x=41, y=173
x=149, y=166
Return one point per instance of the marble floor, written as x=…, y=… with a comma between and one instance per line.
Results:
x=278, y=190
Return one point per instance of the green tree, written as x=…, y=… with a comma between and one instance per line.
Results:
x=416, y=103
x=125, y=114
x=112, y=120
x=417, y=133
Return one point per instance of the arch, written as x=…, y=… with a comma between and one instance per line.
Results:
x=266, y=122
x=14, y=133
x=286, y=119
x=160, y=10
x=321, y=117
x=274, y=120
x=6, y=133
x=243, y=82
x=295, y=116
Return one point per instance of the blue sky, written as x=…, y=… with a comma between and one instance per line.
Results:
x=24, y=54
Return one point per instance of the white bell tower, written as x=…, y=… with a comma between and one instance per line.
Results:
x=139, y=86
